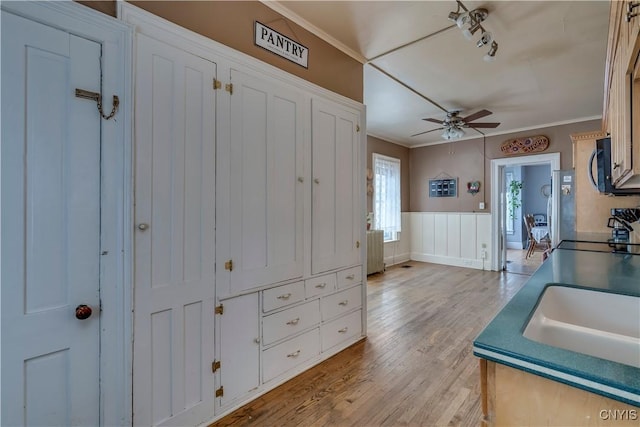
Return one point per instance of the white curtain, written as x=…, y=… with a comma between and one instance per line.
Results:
x=386, y=195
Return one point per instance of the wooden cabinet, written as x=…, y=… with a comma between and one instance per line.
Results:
x=336, y=215
x=622, y=94
x=239, y=349
x=266, y=184
x=249, y=201
x=511, y=397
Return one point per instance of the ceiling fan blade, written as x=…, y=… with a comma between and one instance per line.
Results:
x=434, y=121
x=475, y=116
x=422, y=133
x=483, y=125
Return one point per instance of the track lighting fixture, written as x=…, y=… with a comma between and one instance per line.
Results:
x=469, y=22
x=491, y=55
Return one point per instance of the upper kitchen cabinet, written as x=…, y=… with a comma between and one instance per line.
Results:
x=622, y=93
x=336, y=208
x=266, y=183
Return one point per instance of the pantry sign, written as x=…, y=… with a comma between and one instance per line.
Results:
x=281, y=45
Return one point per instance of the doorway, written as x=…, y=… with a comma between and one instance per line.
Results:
x=502, y=217
x=64, y=222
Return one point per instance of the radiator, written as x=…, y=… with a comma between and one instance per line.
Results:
x=375, y=251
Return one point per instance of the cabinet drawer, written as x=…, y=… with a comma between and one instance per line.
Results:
x=341, y=302
x=349, y=277
x=283, y=357
x=282, y=296
x=280, y=325
x=320, y=285
x=341, y=329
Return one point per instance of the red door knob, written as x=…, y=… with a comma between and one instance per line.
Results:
x=83, y=312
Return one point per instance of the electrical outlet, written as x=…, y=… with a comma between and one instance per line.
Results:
x=484, y=254
x=481, y=206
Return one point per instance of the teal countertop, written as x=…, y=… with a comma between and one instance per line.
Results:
x=502, y=340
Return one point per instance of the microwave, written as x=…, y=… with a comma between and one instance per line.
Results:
x=602, y=181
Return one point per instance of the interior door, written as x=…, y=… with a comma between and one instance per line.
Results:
x=50, y=227
x=175, y=236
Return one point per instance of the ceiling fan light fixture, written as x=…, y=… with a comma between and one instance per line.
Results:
x=452, y=133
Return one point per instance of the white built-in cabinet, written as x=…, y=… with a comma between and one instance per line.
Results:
x=249, y=206
x=336, y=213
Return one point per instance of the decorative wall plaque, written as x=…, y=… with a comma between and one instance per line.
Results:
x=530, y=144
x=443, y=187
x=281, y=45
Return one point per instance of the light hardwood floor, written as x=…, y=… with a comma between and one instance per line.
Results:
x=416, y=367
x=518, y=263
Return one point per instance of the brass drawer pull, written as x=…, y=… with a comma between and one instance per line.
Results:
x=343, y=330
x=284, y=296
x=350, y=277
x=294, y=321
x=321, y=285
x=345, y=302
x=294, y=354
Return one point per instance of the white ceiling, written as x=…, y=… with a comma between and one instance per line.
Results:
x=549, y=67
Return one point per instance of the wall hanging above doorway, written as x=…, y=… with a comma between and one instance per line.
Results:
x=527, y=145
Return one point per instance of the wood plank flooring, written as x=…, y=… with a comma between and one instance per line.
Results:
x=518, y=263
x=416, y=367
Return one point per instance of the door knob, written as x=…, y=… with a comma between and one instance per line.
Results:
x=83, y=312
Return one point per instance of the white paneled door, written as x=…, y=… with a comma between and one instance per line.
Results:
x=335, y=215
x=175, y=236
x=266, y=182
x=50, y=227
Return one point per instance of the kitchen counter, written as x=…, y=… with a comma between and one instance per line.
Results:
x=502, y=340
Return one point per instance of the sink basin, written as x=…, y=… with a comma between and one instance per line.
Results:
x=599, y=324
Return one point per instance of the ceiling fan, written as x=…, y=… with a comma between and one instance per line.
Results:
x=453, y=124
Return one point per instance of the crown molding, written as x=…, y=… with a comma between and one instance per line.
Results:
x=278, y=7
x=583, y=136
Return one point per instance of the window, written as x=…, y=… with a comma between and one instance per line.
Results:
x=386, y=196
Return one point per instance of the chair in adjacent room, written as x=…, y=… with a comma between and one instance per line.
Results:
x=541, y=241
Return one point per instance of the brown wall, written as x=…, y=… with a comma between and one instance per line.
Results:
x=232, y=23
x=379, y=146
x=465, y=160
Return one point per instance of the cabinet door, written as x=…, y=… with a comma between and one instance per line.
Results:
x=335, y=216
x=175, y=236
x=239, y=348
x=266, y=183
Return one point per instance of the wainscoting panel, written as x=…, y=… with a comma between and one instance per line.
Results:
x=453, y=238
x=440, y=233
x=468, y=247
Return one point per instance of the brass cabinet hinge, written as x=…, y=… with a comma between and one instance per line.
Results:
x=217, y=84
x=215, y=365
x=220, y=392
x=229, y=88
x=228, y=265
x=357, y=243
x=357, y=128
x=219, y=309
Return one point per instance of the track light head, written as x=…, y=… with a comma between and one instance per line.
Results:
x=491, y=55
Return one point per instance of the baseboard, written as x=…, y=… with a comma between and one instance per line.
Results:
x=515, y=245
x=397, y=259
x=456, y=262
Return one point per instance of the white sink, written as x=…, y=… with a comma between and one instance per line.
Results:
x=599, y=324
